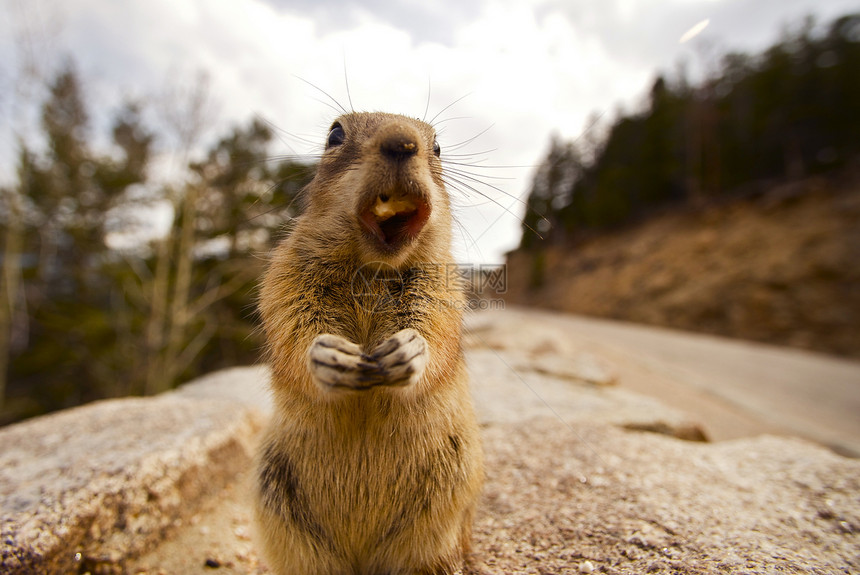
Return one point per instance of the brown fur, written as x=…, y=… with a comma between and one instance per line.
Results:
x=364, y=471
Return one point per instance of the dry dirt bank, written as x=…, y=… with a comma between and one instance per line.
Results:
x=783, y=268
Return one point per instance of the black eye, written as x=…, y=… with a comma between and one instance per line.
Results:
x=437, y=149
x=336, y=136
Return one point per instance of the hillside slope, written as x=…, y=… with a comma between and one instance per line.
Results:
x=782, y=267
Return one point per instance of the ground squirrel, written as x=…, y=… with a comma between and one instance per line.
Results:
x=372, y=464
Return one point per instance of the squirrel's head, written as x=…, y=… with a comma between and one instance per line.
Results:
x=380, y=182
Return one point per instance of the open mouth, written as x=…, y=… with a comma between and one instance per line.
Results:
x=395, y=220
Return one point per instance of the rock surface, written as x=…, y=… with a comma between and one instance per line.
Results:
x=571, y=487
x=510, y=388
x=734, y=388
x=569, y=498
x=86, y=488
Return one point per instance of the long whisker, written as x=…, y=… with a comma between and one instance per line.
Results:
x=460, y=184
x=449, y=162
x=427, y=106
x=481, y=156
x=279, y=132
x=463, y=97
x=452, y=118
x=326, y=94
x=459, y=145
x=468, y=241
x=466, y=176
x=493, y=223
x=289, y=206
x=346, y=81
x=476, y=175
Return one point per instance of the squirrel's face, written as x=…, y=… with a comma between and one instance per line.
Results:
x=381, y=178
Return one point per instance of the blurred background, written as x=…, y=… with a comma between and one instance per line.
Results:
x=685, y=163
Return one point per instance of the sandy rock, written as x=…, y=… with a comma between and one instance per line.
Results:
x=580, y=367
x=534, y=346
x=562, y=498
x=511, y=386
x=84, y=488
x=591, y=498
x=248, y=386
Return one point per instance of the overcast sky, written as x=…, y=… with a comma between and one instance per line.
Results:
x=523, y=69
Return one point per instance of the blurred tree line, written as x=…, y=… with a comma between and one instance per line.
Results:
x=791, y=111
x=92, y=303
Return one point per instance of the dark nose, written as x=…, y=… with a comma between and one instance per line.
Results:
x=399, y=146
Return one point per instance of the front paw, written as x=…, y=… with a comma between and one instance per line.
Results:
x=401, y=358
x=337, y=363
